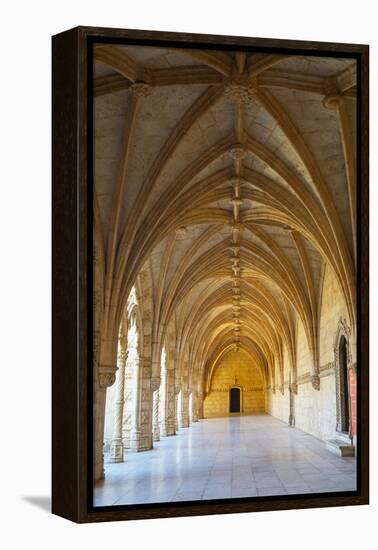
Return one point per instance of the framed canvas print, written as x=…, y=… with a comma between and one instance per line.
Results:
x=210, y=274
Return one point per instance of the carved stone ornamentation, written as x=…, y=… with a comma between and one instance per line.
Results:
x=331, y=101
x=237, y=152
x=141, y=89
x=332, y=93
x=116, y=450
x=315, y=381
x=106, y=376
x=182, y=232
x=155, y=383
x=240, y=88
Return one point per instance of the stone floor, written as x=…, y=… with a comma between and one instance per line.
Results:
x=239, y=456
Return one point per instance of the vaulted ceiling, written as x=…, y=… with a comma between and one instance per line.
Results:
x=224, y=182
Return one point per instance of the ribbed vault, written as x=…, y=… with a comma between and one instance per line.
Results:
x=224, y=183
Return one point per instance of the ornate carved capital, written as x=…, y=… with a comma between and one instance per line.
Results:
x=294, y=388
x=106, y=375
x=315, y=381
x=282, y=389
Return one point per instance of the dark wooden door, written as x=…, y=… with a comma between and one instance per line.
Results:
x=344, y=389
x=235, y=400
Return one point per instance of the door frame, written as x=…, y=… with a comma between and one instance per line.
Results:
x=241, y=399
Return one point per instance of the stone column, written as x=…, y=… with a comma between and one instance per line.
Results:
x=144, y=442
x=99, y=397
x=194, y=407
x=156, y=420
x=116, y=446
x=183, y=417
x=137, y=423
x=293, y=390
x=177, y=403
x=201, y=397
x=104, y=376
x=167, y=401
x=130, y=428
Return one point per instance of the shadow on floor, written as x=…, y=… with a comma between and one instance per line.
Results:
x=43, y=503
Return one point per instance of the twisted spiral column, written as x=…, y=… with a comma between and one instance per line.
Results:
x=155, y=412
x=116, y=446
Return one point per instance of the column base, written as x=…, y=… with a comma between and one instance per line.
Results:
x=116, y=451
x=167, y=429
x=184, y=423
x=137, y=441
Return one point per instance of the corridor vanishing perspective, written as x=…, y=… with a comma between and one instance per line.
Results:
x=235, y=457
x=225, y=338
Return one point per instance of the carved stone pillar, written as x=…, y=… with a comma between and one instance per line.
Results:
x=167, y=401
x=137, y=424
x=177, y=404
x=183, y=417
x=130, y=428
x=145, y=418
x=116, y=446
x=104, y=376
x=155, y=401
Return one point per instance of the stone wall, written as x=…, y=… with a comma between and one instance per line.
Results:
x=236, y=369
x=315, y=410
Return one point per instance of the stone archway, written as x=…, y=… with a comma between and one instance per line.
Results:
x=342, y=365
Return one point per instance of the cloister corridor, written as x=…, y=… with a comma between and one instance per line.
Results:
x=231, y=457
x=224, y=274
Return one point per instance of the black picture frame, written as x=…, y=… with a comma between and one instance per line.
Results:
x=72, y=275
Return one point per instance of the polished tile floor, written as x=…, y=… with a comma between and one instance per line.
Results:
x=239, y=456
